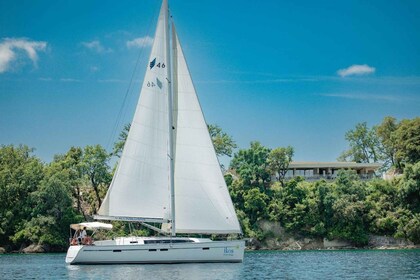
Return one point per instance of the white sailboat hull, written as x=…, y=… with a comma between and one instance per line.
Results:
x=108, y=252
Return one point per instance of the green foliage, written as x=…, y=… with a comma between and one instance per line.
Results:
x=255, y=204
x=350, y=212
x=392, y=143
x=278, y=162
x=347, y=208
x=71, y=164
x=385, y=132
x=20, y=175
x=252, y=165
x=407, y=141
x=119, y=145
x=236, y=190
x=408, y=225
x=222, y=142
x=349, y=220
x=39, y=201
x=95, y=167
x=52, y=211
x=364, y=145
x=410, y=187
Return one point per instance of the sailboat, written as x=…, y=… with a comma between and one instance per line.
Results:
x=168, y=173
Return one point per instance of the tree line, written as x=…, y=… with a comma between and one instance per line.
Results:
x=393, y=143
x=346, y=208
x=39, y=200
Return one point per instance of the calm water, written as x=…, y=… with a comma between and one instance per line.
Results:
x=257, y=265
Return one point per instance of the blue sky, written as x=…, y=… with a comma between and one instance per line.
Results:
x=298, y=73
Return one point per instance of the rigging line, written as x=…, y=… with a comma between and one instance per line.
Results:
x=118, y=120
x=122, y=113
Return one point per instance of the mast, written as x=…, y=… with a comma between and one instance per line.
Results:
x=170, y=122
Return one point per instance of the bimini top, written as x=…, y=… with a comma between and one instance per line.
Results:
x=91, y=226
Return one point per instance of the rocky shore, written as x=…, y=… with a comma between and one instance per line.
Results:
x=277, y=239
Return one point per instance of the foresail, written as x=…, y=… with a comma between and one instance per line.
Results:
x=203, y=204
x=140, y=185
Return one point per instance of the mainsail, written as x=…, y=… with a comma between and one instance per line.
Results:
x=141, y=187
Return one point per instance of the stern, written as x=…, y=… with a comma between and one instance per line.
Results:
x=72, y=253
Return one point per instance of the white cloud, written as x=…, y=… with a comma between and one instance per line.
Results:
x=10, y=47
x=356, y=70
x=96, y=46
x=140, y=42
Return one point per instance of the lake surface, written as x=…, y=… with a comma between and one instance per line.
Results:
x=356, y=264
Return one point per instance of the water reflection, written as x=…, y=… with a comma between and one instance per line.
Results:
x=403, y=264
x=228, y=271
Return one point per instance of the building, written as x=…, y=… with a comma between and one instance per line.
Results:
x=329, y=170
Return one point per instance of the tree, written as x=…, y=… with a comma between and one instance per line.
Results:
x=349, y=220
x=119, y=145
x=409, y=191
x=385, y=132
x=364, y=145
x=72, y=163
x=407, y=141
x=95, y=167
x=252, y=165
x=20, y=175
x=278, y=162
x=255, y=204
x=222, y=142
x=51, y=211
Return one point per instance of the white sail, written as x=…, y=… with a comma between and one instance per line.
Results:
x=203, y=204
x=140, y=187
x=168, y=173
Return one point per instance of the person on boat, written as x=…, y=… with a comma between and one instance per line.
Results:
x=82, y=236
x=73, y=241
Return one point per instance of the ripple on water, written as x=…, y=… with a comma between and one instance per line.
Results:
x=358, y=264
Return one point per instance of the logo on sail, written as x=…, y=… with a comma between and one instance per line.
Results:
x=159, y=83
x=152, y=63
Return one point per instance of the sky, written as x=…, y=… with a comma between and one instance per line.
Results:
x=297, y=73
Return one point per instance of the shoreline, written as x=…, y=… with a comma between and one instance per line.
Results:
x=3, y=251
x=381, y=248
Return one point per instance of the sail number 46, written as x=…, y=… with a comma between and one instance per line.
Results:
x=159, y=64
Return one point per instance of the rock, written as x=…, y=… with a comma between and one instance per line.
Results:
x=253, y=244
x=313, y=244
x=292, y=245
x=31, y=249
x=272, y=227
x=335, y=243
x=2, y=250
x=272, y=244
x=384, y=242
